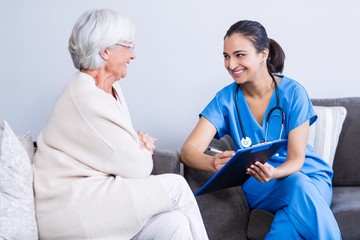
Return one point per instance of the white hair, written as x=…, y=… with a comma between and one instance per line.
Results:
x=95, y=31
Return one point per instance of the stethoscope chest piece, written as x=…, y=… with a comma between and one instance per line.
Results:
x=246, y=142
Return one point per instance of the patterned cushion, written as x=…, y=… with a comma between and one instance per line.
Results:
x=324, y=133
x=17, y=213
x=28, y=144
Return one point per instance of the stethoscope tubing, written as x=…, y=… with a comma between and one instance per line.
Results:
x=246, y=141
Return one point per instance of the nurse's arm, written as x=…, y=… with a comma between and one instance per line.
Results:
x=192, y=151
x=297, y=141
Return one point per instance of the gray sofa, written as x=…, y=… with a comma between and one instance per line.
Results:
x=226, y=213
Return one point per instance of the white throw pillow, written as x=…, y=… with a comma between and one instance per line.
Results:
x=28, y=144
x=17, y=211
x=324, y=133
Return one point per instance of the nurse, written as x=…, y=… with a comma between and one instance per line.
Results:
x=263, y=105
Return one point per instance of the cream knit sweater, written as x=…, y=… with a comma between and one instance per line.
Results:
x=91, y=179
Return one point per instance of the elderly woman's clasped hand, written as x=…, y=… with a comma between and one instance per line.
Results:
x=147, y=141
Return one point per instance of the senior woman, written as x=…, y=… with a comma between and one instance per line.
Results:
x=92, y=169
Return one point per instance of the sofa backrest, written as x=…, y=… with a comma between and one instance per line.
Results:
x=347, y=156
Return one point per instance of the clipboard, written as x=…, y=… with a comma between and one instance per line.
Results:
x=233, y=173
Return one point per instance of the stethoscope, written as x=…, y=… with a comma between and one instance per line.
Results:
x=246, y=141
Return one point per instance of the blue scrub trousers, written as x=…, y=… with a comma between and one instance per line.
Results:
x=300, y=203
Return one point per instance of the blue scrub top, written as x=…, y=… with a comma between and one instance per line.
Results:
x=293, y=98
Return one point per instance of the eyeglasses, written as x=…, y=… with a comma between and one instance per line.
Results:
x=128, y=45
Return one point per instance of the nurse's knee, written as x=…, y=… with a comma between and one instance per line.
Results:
x=298, y=184
x=295, y=183
x=297, y=180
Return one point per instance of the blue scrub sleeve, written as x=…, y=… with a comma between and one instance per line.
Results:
x=301, y=109
x=215, y=112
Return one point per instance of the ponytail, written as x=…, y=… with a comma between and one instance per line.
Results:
x=276, y=58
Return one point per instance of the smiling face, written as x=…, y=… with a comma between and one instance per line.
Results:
x=118, y=58
x=242, y=60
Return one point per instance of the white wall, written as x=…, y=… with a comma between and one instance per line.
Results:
x=179, y=64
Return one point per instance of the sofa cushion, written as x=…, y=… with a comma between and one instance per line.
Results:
x=324, y=133
x=346, y=209
x=259, y=224
x=17, y=213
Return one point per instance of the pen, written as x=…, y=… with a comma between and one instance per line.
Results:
x=214, y=150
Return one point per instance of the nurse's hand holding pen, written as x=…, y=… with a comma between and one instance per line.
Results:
x=221, y=157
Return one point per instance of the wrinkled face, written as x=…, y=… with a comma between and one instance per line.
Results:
x=118, y=57
x=241, y=58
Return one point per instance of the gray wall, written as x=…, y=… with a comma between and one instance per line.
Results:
x=179, y=63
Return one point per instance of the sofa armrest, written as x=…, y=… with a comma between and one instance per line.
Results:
x=166, y=162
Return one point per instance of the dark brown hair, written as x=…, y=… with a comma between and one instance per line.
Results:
x=258, y=36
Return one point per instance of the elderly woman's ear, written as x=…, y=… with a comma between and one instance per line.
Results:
x=105, y=54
